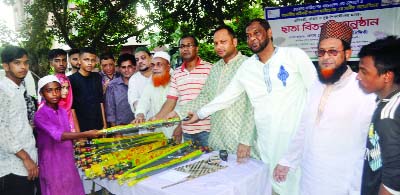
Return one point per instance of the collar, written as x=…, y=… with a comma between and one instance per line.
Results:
x=13, y=85
x=119, y=81
x=239, y=54
x=183, y=67
x=273, y=54
x=344, y=79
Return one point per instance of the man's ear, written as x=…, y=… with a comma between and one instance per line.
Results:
x=347, y=54
x=389, y=76
x=6, y=67
x=235, y=42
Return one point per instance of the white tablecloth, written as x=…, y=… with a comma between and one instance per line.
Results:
x=250, y=178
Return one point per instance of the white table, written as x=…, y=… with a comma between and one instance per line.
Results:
x=250, y=178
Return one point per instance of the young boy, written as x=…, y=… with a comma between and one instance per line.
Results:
x=88, y=93
x=379, y=74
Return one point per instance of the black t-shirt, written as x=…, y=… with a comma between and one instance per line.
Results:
x=382, y=158
x=88, y=95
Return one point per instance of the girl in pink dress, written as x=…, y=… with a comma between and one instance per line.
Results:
x=57, y=174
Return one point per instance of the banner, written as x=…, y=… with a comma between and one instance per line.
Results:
x=299, y=26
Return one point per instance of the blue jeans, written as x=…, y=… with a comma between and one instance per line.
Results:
x=198, y=138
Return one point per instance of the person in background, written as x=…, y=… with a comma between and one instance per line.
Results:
x=108, y=69
x=73, y=56
x=18, y=162
x=88, y=93
x=118, y=111
x=140, y=79
x=379, y=73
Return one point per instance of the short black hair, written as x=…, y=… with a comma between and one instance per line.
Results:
x=231, y=32
x=106, y=56
x=143, y=48
x=11, y=53
x=56, y=52
x=87, y=50
x=73, y=51
x=196, y=43
x=385, y=53
x=125, y=57
x=346, y=45
x=263, y=22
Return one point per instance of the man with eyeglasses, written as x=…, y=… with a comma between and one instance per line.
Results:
x=329, y=143
x=118, y=111
x=186, y=83
x=276, y=80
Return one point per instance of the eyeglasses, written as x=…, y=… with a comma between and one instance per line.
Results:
x=330, y=52
x=189, y=46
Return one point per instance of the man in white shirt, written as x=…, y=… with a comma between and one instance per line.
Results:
x=330, y=141
x=140, y=79
x=155, y=94
x=276, y=80
x=18, y=154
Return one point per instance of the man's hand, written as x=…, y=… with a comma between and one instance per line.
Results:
x=139, y=119
x=177, y=134
x=192, y=118
x=243, y=153
x=92, y=133
x=172, y=114
x=280, y=173
x=30, y=165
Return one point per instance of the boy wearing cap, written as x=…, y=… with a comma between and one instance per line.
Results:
x=155, y=94
x=18, y=162
x=380, y=74
x=140, y=79
x=329, y=143
x=118, y=111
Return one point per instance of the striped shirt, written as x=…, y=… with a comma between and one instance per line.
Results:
x=186, y=86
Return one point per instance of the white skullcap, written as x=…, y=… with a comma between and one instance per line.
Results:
x=47, y=79
x=162, y=54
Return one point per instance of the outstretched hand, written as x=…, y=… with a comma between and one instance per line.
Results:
x=280, y=173
x=93, y=133
x=139, y=119
x=193, y=117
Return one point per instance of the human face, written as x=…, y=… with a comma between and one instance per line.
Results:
x=328, y=61
x=257, y=37
x=51, y=92
x=127, y=69
x=74, y=60
x=64, y=90
x=87, y=61
x=161, y=76
x=224, y=44
x=59, y=63
x=108, y=67
x=17, y=69
x=143, y=60
x=187, y=49
x=368, y=78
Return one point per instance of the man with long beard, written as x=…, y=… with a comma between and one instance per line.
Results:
x=155, y=94
x=330, y=141
x=276, y=80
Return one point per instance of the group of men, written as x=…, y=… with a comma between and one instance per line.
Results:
x=311, y=125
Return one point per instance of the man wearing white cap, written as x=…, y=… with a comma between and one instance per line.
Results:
x=155, y=95
x=329, y=143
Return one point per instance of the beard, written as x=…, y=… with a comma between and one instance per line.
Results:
x=161, y=79
x=263, y=45
x=330, y=76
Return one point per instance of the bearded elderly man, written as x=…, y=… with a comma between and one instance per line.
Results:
x=233, y=129
x=155, y=94
x=330, y=140
x=276, y=80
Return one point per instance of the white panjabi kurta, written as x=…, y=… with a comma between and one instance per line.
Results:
x=277, y=113
x=136, y=85
x=150, y=103
x=329, y=144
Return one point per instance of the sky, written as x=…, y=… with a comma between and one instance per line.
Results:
x=7, y=15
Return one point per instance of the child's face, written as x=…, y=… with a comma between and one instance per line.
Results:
x=52, y=92
x=64, y=90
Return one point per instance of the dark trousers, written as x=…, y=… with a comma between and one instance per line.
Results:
x=12, y=184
